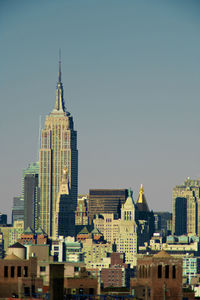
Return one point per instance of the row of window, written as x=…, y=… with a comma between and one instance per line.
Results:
x=16, y=271
x=162, y=272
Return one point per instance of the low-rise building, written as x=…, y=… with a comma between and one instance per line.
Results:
x=73, y=250
x=83, y=284
x=174, y=245
x=95, y=252
x=57, y=249
x=159, y=276
x=18, y=277
x=117, y=274
x=191, y=267
x=12, y=233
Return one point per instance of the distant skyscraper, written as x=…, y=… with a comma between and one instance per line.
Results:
x=31, y=201
x=145, y=219
x=58, y=150
x=17, y=209
x=106, y=201
x=186, y=208
x=163, y=222
x=180, y=216
x=30, y=195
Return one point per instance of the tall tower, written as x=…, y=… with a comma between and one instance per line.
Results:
x=186, y=208
x=58, y=150
x=127, y=237
x=31, y=195
x=145, y=219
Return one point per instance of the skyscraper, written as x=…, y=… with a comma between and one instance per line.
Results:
x=31, y=201
x=106, y=201
x=30, y=195
x=145, y=219
x=127, y=238
x=17, y=209
x=58, y=151
x=186, y=208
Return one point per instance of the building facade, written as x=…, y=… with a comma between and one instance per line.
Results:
x=108, y=226
x=81, y=214
x=31, y=201
x=17, y=209
x=186, y=208
x=158, y=277
x=64, y=217
x=106, y=201
x=127, y=238
x=58, y=150
x=144, y=218
x=94, y=253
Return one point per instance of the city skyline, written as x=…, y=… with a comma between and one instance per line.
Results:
x=131, y=77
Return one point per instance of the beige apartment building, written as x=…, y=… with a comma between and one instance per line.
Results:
x=12, y=233
x=58, y=151
x=95, y=253
x=108, y=226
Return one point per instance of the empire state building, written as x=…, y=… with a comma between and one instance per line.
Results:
x=58, y=152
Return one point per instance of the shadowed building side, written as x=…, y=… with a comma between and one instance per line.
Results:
x=64, y=219
x=145, y=219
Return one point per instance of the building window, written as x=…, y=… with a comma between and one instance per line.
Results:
x=12, y=271
x=159, y=271
x=25, y=271
x=42, y=269
x=167, y=271
x=19, y=271
x=6, y=271
x=174, y=272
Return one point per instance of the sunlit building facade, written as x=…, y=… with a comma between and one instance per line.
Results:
x=58, y=151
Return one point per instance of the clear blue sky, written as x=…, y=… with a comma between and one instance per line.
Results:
x=131, y=75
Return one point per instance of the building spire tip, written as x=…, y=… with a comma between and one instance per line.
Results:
x=59, y=72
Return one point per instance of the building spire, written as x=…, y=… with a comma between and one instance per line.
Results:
x=60, y=105
x=141, y=201
x=59, y=72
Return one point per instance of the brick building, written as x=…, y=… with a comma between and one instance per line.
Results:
x=31, y=237
x=116, y=274
x=83, y=284
x=18, y=277
x=158, y=277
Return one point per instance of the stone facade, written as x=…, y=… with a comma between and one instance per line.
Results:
x=108, y=226
x=127, y=239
